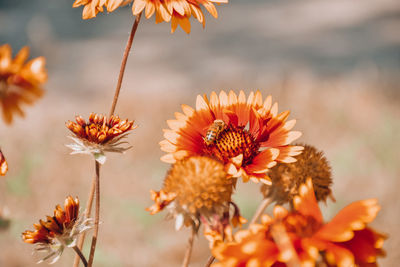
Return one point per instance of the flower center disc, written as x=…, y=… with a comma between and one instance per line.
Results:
x=234, y=141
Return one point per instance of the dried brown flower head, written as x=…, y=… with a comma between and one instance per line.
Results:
x=58, y=231
x=196, y=189
x=99, y=135
x=20, y=81
x=3, y=164
x=287, y=178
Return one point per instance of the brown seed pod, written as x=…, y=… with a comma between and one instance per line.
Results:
x=287, y=178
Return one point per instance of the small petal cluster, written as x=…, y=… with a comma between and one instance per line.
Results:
x=253, y=139
x=58, y=231
x=3, y=164
x=20, y=81
x=301, y=236
x=177, y=11
x=100, y=134
x=196, y=189
x=92, y=7
x=287, y=178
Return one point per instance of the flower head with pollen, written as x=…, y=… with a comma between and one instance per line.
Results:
x=100, y=134
x=20, y=81
x=287, y=178
x=196, y=189
x=3, y=164
x=344, y=241
x=58, y=231
x=254, y=137
x=178, y=12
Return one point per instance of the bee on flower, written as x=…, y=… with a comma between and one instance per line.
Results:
x=301, y=236
x=100, y=134
x=59, y=231
x=254, y=137
x=20, y=81
x=178, y=12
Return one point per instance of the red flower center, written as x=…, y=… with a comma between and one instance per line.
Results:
x=234, y=141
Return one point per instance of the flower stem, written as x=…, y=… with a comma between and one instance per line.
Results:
x=79, y=254
x=189, y=248
x=97, y=215
x=210, y=261
x=88, y=211
x=260, y=210
x=123, y=63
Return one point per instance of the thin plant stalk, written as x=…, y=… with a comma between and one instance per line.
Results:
x=80, y=255
x=123, y=63
x=88, y=211
x=96, y=216
x=210, y=261
x=96, y=181
x=188, y=253
x=260, y=210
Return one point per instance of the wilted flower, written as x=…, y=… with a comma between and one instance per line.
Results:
x=99, y=135
x=344, y=241
x=196, y=189
x=60, y=231
x=20, y=81
x=176, y=11
x=3, y=164
x=287, y=178
x=247, y=135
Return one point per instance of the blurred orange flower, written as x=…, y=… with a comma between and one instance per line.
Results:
x=247, y=135
x=20, y=81
x=3, y=164
x=100, y=134
x=344, y=241
x=176, y=11
x=60, y=231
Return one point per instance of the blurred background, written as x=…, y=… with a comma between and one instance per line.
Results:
x=334, y=64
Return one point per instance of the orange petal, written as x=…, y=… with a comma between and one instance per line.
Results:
x=305, y=202
x=353, y=217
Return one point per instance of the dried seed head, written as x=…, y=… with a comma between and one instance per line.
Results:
x=287, y=178
x=196, y=187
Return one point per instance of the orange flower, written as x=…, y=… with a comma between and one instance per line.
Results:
x=3, y=164
x=60, y=231
x=344, y=241
x=197, y=190
x=92, y=7
x=176, y=11
x=20, y=81
x=252, y=139
x=99, y=135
